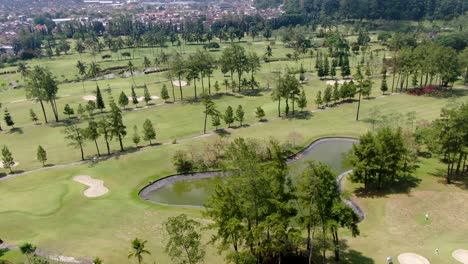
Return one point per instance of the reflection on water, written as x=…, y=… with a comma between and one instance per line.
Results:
x=190, y=192
x=196, y=191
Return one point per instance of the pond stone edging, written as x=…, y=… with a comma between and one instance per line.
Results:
x=145, y=191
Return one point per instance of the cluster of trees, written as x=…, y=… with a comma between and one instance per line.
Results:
x=235, y=60
x=256, y=211
x=325, y=67
x=447, y=137
x=425, y=64
x=108, y=125
x=336, y=93
x=371, y=9
x=381, y=158
x=42, y=87
x=229, y=116
x=290, y=89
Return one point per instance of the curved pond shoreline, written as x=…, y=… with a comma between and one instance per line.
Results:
x=158, y=184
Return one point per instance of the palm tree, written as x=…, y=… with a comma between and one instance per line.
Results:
x=138, y=247
x=82, y=71
x=131, y=69
x=94, y=70
x=23, y=69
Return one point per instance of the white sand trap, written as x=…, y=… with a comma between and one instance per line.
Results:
x=63, y=259
x=89, y=98
x=461, y=255
x=140, y=99
x=411, y=258
x=14, y=165
x=332, y=82
x=182, y=83
x=96, y=187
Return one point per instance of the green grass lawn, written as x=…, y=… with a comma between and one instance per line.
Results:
x=48, y=208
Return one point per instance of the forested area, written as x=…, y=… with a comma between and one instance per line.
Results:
x=373, y=9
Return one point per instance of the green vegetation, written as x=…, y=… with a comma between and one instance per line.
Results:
x=261, y=78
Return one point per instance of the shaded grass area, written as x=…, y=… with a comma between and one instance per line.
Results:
x=395, y=222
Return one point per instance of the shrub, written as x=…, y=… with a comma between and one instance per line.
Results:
x=182, y=162
x=428, y=90
x=212, y=45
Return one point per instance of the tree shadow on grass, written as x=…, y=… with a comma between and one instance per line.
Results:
x=402, y=185
x=348, y=255
x=222, y=132
x=64, y=122
x=460, y=181
x=18, y=130
x=302, y=115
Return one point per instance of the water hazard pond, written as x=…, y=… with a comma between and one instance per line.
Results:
x=193, y=190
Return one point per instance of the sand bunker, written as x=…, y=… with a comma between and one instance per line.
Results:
x=141, y=99
x=89, y=98
x=411, y=258
x=96, y=187
x=332, y=82
x=14, y=165
x=461, y=255
x=182, y=83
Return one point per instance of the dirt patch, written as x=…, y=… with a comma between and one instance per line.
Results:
x=96, y=187
x=411, y=258
x=182, y=83
x=154, y=97
x=461, y=255
x=89, y=98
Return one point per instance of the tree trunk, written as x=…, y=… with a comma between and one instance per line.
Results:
x=336, y=242
x=206, y=117
x=54, y=109
x=209, y=84
x=202, y=83
x=120, y=142
x=82, y=153
x=279, y=107
x=195, y=87
x=359, y=105
x=448, y=180
x=43, y=111
x=107, y=145
x=173, y=92
x=324, y=249
x=180, y=89
x=97, y=148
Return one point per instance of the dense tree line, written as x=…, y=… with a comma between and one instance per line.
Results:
x=372, y=9
x=256, y=211
x=381, y=158
x=447, y=137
